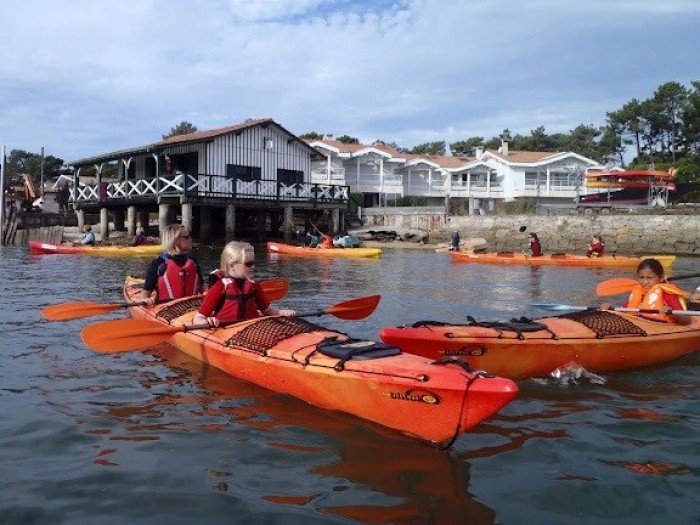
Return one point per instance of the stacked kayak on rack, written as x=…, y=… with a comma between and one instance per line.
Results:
x=599, y=341
x=306, y=251
x=560, y=259
x=432, y=401
x=39, y=248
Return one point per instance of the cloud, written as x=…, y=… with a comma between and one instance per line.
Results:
x=84, y=77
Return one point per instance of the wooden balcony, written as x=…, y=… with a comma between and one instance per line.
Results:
x=193, y=188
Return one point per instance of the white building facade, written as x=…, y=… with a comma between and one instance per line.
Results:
x=384, y=174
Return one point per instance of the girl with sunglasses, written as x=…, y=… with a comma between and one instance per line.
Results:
x=235, y=295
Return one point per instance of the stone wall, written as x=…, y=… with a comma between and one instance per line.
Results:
x=623, y=234
x=426, y=218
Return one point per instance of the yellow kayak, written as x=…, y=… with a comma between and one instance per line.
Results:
x=150, y=250
x=305, y=251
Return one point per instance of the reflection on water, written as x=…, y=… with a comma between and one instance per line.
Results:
x=156, y=437
x=415, y=484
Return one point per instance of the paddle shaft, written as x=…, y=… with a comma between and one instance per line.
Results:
x=562, y=307
x=205, y=326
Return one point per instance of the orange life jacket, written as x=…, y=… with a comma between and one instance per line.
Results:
x=653, y=299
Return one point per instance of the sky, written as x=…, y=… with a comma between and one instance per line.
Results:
x=86, y=77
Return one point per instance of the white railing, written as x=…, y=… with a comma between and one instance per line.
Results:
x=211, y=186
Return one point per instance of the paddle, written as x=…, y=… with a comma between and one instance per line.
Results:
x=620, y=285
x=275, y=289
x=568, y=308
x=124, y=335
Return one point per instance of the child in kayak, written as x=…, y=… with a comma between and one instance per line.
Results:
x=236, y=296
x=174, y=273
x=655, y=293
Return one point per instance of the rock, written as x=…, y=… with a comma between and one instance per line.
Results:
x=416, y=235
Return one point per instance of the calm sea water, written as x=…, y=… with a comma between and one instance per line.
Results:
x=155, y=437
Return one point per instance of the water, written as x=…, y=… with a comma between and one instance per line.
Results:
x=155, y=437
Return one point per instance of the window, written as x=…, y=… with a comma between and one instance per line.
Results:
x=244, y=173
x=290, y=177
x=533, y=179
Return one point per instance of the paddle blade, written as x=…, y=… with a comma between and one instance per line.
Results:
x=275, y=289
x=124, y=335
x=76, y=310
x=354, y=309
x=615, y=286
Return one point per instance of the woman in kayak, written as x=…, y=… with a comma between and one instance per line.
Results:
x=655, y=293
x=596, y=248
x=236, y=296
x=175, y=273
x=535, y=245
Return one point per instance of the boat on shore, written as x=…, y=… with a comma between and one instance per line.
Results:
x=306, y=251
x=599, y=341
x=435, y=402
x=559, y=259
x=43, y=248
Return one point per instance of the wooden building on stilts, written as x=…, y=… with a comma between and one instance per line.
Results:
x=250, y=177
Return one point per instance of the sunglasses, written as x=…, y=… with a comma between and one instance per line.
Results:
x=248, y=264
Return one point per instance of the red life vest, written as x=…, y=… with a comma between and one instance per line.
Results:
x=215, y=276
x=175, y=282
x=238, y=303
x=653, y=299
x=597, y=249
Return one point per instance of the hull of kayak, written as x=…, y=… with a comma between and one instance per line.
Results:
x=563, y=259
x=403, y=392
x=150, y=250
x=305, y=251
x=596, y=340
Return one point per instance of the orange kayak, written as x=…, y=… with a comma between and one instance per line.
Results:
x=599, y=341
x=560, y=259
x=408, y=393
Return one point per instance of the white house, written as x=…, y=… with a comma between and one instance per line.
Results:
x=383, y=173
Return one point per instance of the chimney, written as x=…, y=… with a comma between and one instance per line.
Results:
x=479, y=152
x=505, y=137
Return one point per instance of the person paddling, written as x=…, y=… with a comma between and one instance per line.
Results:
x=596, y=248
x=535, y=245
